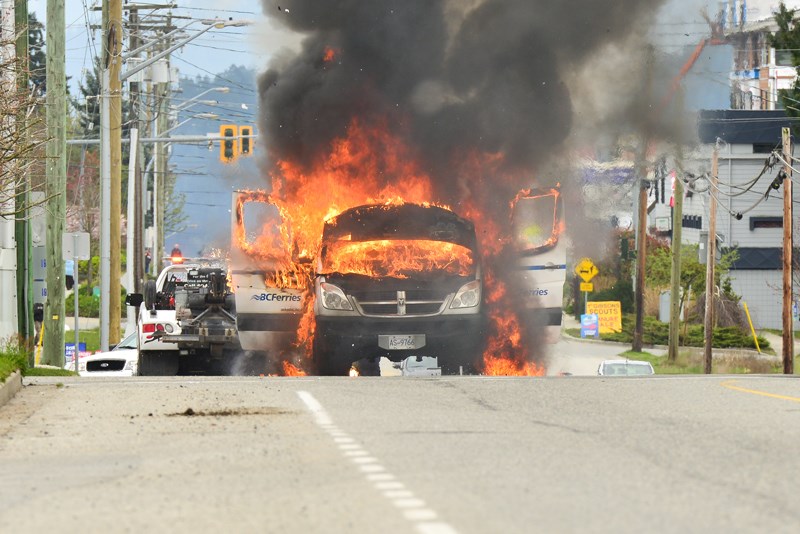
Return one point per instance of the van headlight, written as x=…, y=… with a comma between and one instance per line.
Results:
x=468, y=296
x=333, y=298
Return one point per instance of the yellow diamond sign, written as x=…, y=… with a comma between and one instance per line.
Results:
x=586, y=269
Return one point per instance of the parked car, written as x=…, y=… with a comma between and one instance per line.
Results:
x=625, y=368
x=119, y=361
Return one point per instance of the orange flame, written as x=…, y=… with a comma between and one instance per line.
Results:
x=289, y=369
x=329, y=54
x=397, y=258
x=370, y=165
x=271, y=248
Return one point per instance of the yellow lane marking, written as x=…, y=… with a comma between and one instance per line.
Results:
x=730, y=385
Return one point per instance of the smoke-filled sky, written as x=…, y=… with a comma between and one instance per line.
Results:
x=457, y=75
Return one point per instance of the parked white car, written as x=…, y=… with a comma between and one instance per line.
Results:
x=625, y=368
x=119, y=361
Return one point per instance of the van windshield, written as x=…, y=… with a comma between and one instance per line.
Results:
x=536, y=222
x=398, y=258
x=399, y=241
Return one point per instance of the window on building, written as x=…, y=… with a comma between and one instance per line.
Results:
x=766, y=222
x=763, y=148
x=692, y=221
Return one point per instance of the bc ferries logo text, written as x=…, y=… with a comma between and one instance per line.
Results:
x=274, y=297
x=538, y=292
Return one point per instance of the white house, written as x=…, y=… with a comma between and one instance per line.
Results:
x=747, y=138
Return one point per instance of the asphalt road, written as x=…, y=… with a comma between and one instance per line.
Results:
x=455, y=454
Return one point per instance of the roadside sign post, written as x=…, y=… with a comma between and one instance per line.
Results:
x=76, y=247
x=587, y=270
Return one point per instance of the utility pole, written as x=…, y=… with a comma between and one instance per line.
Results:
x=137, y=224
x=8, y=261
x=788, y=334
x=56, y=183
x=21, y=228
x=113, y=39
x=641, y=251
x=641, y=228
x=711, y=259
x=675, y=279
x=676, y=245
x=160, y=173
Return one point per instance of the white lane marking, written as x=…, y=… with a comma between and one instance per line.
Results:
x=409, y=503
x=371, y=468
x=435, y=528
x=398, y=494
x=414, y=509
x=420, y=514
x=364, y=460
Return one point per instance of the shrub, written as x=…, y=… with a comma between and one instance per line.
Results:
x=13, y=355
x=657, y=333
x=622, y=291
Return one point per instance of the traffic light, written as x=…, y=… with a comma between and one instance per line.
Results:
x=228, y=146
x=246, y=142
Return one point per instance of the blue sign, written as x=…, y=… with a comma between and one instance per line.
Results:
x=590, y=325
x=69, y=350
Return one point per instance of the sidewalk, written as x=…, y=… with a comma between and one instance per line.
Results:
x=775, y=341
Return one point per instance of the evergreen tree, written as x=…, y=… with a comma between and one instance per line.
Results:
x=787, y=40
x=87, y=105
x=36, y=51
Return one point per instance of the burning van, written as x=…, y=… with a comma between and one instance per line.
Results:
x=538, y=231
x=269, y=287
x=398, y=280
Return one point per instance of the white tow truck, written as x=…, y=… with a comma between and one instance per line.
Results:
x=186, y=320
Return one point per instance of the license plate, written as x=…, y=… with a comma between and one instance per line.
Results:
x=401, y=342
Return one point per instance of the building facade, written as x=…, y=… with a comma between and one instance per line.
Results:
x=749, y=220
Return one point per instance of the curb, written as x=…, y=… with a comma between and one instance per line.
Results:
x=10, y=387
x=716, y=353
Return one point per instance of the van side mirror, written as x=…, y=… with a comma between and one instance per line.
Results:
x=134, y=299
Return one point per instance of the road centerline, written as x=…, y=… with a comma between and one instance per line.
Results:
x=414, y=509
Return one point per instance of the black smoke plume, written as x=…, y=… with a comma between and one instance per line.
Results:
x=453, y=77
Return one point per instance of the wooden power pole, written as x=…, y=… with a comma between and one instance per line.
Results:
x=641, y=251
x=641, y=228
x=113, y=39
x=788, y=335
x=711, y=258
x=675, y=281
x=56, y=183
x=21, y=228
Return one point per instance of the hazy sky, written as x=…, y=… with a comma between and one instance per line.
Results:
x=210, y=53
x=679, y=23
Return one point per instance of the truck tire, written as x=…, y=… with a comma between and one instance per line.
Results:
x=158, y=363
x=150, y=294
x=328, y=362
x=333, y=367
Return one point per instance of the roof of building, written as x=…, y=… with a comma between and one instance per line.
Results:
x=737, y=126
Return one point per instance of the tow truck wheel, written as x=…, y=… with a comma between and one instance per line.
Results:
x=149, y=294
x=158, y=364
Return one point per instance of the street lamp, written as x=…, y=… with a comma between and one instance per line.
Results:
x=186, y=103
x=111, y=179
x=157, y=254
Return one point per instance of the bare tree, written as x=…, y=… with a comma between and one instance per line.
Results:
x=22, y=139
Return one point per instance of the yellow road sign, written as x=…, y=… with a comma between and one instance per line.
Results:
x=587, y=286
x=586, y=269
